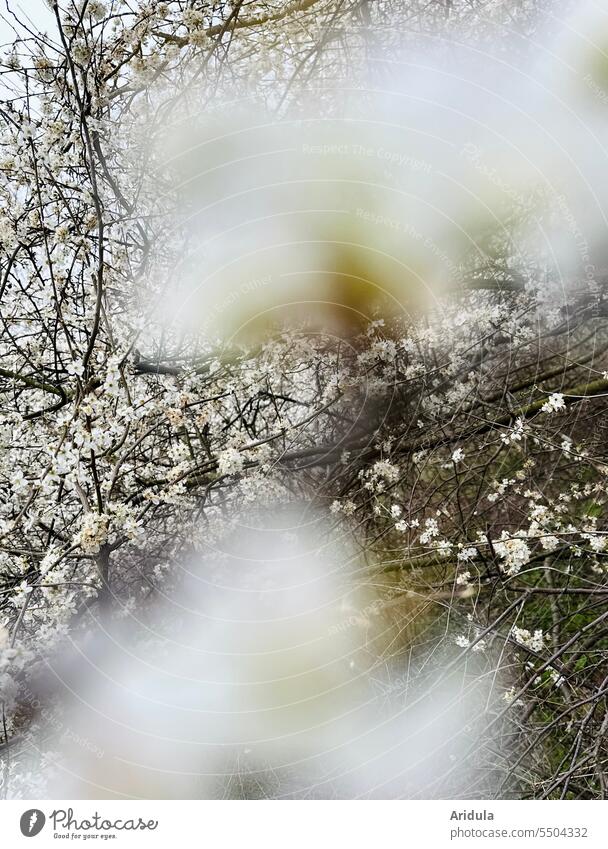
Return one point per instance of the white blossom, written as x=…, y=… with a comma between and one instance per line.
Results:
x=554, y=403
x=514, y=552
x=93, y=532
x=458, y=455
x=533, y=640
x=230, y=462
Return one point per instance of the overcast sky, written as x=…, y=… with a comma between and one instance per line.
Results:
x=36, y=12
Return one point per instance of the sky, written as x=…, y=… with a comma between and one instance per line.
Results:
x=37, y=12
